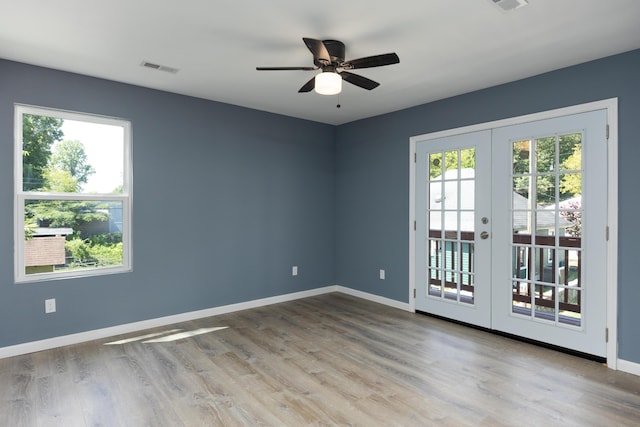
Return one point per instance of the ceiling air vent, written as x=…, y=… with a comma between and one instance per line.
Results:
x=507, y=5
x=159, y=67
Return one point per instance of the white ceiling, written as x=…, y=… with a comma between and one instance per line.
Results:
x=446, y=47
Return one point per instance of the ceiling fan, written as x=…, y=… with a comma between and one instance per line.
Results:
x=328, y=56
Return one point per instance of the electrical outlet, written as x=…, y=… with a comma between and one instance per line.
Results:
x=50, y=305
x=294, y=270
x=382, y=275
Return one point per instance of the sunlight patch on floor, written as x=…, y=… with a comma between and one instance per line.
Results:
x=185, y=334
x=166, y=336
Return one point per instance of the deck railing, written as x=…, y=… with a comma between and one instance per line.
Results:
x=545, y=274
x=542, y=273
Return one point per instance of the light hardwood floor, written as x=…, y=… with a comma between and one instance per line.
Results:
x=326, y=360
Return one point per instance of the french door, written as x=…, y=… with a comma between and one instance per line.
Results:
x=453, y=201
x=511, y=229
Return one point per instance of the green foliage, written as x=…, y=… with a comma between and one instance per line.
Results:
x=118, y=190
x=465, y=158
x=70, y=156
x=63, y=213
x=571, y=183
x=106, y=239
x=106, y=255
x=78, y=250
x=543, y=157
x=98, y=250
x=59, y=181
x=29, y=230
x=62, y=171
x=38, y=135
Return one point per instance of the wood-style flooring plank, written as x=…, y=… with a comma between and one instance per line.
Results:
x=331, y=360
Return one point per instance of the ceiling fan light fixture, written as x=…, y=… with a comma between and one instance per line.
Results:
x=328, y=83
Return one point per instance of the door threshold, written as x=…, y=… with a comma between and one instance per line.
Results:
x=593, y=357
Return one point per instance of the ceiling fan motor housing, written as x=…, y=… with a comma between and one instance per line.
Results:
x=336, y=51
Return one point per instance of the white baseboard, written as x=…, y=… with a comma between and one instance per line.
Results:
x=375, y=298
x=34, y=346
x=629, y=367
x=46, y=344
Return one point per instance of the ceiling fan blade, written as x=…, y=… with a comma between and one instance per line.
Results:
x=371, y=61
x=285, y=68
x=308, y=86
x=318, y=49
x=360, y=81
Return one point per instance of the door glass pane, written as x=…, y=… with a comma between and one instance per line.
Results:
x=467, y=224
x=435, y=196
x=466, y=257
x=435, y=255
x=451, y=225
x=570, y=186
x=570, y=152
x=434, y=263
x=521, y=221
x=521, y=297
x=570, y=306
x=546, y=267
x=451, y=158
x=545, y=302
x=545, y=154
x=521, y=157
x=435, y=166
x=435, y=223
x=521, y=264
x=521, y=190
x=545, y=226
x=451, y=285
x=468, y=159
x=545, y=190
x=435, y=282
x=467, y=194
x=450, y=196
x=570, y=264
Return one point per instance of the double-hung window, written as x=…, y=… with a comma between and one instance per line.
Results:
x=72, y=194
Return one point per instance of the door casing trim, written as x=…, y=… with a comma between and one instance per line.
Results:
x=611, y=106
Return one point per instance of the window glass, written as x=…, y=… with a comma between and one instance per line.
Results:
x=72, y=193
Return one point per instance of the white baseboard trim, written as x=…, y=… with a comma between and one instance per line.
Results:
x=375, y=298
x=46, y=344
x=629, y=367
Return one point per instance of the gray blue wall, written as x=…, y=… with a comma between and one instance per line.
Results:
x=225, y=201
x=372, y=175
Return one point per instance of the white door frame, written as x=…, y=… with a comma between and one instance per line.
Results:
x=611, y=105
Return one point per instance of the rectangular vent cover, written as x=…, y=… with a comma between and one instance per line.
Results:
x=507, y=5
x=159, y=67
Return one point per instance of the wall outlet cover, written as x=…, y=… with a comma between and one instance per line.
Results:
x=50, y=305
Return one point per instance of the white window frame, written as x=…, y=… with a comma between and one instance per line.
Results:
x=20, y=196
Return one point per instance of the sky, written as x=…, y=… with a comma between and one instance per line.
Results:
x=104, y=147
